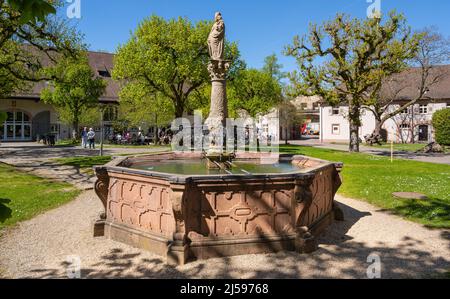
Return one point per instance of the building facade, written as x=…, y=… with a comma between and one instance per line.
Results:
x=29, y=118
x=411, y=126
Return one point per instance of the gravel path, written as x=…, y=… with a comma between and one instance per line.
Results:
x=39, y=249
x=39, y=160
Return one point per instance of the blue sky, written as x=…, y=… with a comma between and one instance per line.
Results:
x=261, y=27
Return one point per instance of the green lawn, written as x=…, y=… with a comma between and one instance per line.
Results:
x=398, y=147
x=403, y=147
x=23, y=196
x=374, y=179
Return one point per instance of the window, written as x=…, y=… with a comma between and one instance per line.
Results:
x=303, y=106
x=335, y=111
x=16, y=127
x=316, y=106
x=336, y=129
x=110, y=113
x=423, y=109
x=404, y=126
x=407, y=110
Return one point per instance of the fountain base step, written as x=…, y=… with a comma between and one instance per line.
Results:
x=202, y=248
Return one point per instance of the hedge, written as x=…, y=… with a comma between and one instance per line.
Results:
x=441, y=124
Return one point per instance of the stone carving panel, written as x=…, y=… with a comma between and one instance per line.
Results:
x=323, y=195
x=141, y=206
x=247, y=213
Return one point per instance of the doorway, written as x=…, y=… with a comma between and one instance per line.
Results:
x=423, y=133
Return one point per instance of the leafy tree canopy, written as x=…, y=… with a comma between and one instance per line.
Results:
x=169, y=57
x=346, y=60
x=254, y=91
x=75, y=89
x=31, y=39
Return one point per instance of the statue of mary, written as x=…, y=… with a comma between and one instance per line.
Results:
x=216, y=39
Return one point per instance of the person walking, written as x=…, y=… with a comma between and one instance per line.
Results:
x=84, y=138
x=91, y=138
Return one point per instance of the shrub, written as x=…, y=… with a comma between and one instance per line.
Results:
x=441, y=123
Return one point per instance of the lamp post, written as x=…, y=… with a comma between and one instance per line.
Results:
x=102, y=132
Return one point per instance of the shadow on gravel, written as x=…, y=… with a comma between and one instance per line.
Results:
x=5, y=212
x=338, y=257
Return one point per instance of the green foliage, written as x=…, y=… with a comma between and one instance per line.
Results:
x=137, y=107
x=346, y=60
x=254, y=91
x=75, y=90
x=441, y=123
x=168, y=58
x=375, y=178
x=32, y=10
x=29, y=40
x=273, y=68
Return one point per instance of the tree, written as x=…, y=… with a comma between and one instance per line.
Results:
x=356, y=56
x=273, y=68
x=425, y=74
x=75, y=90
x=288, y=114
x=30, y=40
x=139, y=109
x=254, y=91
x=169, y=58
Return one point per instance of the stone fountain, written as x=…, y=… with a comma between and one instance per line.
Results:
x=218, y=67
x=197, y=205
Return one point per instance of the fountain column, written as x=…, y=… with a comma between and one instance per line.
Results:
x=216, y=121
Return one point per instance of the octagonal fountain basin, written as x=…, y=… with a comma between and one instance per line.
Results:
x=174, y=206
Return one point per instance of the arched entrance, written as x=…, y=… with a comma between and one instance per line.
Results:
x=41, y=124
x=17, y=127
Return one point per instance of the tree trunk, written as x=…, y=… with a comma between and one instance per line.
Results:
x=75, y=126
x=179, y=108
x=375, y=137
x=355, y=123
x=156, y=129
x=286, y=139
x=354, y=138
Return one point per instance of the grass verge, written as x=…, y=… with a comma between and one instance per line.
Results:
x=374, y=179
x=23, y=196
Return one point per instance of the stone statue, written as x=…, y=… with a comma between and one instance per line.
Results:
x=217, y=68
x=216, y=39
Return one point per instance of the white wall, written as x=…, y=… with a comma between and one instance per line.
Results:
x=330, y=120
x=368, y=123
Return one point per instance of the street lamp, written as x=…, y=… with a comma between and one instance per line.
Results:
x=102, y=131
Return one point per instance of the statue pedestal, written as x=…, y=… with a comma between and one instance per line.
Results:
x=216, y=121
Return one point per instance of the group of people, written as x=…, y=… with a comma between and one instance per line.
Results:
x=88, y=138
x=139, y=138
